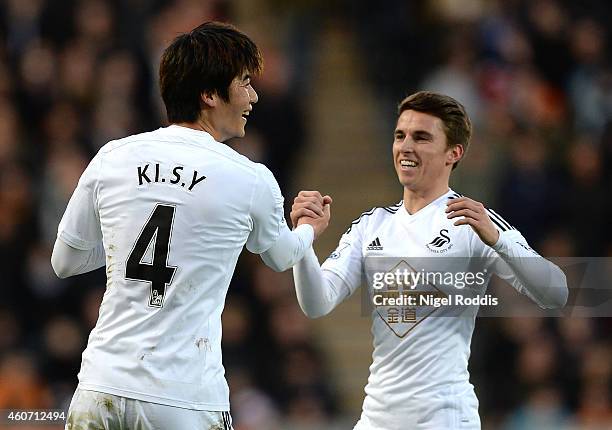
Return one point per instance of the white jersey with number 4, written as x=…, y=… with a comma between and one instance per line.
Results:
x=174, y=209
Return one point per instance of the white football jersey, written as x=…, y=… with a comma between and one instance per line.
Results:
x=419, y=377
x=174, y=209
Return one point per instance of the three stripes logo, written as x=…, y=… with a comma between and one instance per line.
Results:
x=375, y=245
x=440, y=242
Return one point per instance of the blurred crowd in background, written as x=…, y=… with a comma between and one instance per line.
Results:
x=535, y=77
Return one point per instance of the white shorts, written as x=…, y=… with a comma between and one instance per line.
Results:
x=101, y=411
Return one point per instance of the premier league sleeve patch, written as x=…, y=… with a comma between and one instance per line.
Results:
x=338, y=252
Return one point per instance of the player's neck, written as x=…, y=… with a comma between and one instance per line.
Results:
x=201, y=125
x=417, y=199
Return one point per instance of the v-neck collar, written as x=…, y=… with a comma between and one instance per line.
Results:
x=427, y=209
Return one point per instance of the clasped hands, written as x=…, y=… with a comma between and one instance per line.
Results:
x=310, y=207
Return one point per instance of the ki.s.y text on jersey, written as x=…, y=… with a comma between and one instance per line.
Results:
x=181, y=176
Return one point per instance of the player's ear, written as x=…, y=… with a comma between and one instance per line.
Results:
x=209, y=98
x=454, y=154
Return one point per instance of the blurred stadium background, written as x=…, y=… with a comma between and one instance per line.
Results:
x=535, y=77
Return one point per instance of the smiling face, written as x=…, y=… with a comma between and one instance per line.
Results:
x=228, y=118
x=421, y=156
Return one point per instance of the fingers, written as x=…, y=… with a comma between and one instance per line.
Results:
x=466, y=208
x=467, y=221
x=306, y=193
x=313, y=206
x=311, y=199
x=474, y=214
x=310, y=204
x=303, y=212
x=327, y=211
x=464, y=203
x=313, y=196
x=487, y=233
x=468, y=213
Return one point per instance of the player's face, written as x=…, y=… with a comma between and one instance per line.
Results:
x=232, y=115
x=421, y=156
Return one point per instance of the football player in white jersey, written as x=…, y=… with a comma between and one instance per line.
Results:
x=419, y=377
x=168, y=212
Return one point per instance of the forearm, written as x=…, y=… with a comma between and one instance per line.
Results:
x=68, y=261
x=289, y=248
x=541, y=280
x=318, y=291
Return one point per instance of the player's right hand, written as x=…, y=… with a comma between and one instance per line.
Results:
x=306, y=203
x=310, y=207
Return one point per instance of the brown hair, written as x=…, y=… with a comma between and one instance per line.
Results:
x=206, y=59
x=457, y=124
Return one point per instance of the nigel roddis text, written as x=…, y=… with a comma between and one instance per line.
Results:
x=178, y=175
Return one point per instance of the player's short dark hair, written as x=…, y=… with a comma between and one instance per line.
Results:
x=205, y=60
x=457, y=124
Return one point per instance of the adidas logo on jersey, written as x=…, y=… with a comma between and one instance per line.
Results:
x=375, y=245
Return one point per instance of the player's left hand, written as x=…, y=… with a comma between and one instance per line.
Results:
x=308, y=203
x=474, y=215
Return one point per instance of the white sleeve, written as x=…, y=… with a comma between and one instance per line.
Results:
x=320, y=289
x=346, y=261
x=266, y=212
x=289, y=248
x=80, y=225
x=528, y=272
x=69, y=261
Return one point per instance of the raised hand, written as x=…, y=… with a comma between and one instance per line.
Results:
x=474, y=215
x=310, y=207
